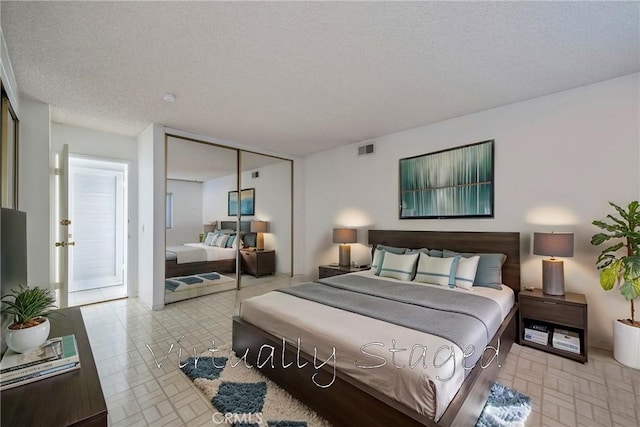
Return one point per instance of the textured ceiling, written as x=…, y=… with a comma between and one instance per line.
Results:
x=296, y=78
x=189, y=161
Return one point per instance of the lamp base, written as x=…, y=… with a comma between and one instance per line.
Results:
x=260, y=241
x=344, y=256
x=552, y=277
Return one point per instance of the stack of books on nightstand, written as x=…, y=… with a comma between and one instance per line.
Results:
x=566, y=340
x=537, y=333
x=56, y=356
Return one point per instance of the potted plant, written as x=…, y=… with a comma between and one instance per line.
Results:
x=619, y=264
x=30, y=308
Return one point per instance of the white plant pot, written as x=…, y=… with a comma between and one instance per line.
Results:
x=626, y=344
x=23, y=340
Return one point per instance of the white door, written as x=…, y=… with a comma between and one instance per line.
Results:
x=61, y=222
x=97, y=207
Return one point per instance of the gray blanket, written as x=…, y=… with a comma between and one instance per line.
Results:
x=464, y=319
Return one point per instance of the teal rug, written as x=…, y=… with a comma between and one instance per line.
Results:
x=176, y=284
x=248, y=399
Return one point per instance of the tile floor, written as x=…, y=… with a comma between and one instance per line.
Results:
x=139, y=393
x=96, y=295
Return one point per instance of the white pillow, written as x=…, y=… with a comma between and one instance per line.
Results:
x=466, y=272
x=434, y=270
x=221, y=240
x=398, y=266
x=211, y=237
x=376, y=263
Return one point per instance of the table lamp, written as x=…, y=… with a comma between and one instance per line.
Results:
x=553, y=244
x=259, y=227
x=344, y=236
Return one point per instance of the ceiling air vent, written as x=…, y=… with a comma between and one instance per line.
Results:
x=365, y=149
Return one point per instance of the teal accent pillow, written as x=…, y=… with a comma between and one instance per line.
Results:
x=393, y=249
x=230, y=240
x=436, y=253
x=417, y=251
x=452, y=272
x=489, y=271
x=249, y=240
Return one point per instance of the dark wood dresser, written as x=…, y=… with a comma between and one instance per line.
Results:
x=71, y=399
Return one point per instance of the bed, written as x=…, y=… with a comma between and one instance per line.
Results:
x=386, y=396
x=196, y=258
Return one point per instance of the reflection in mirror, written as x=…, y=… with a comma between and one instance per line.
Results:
x=267, y=254
x=201, y=239
x=8, y=154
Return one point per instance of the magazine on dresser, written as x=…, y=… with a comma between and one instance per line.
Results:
x=55, y=354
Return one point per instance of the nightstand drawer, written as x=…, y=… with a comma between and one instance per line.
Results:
x=552, y=311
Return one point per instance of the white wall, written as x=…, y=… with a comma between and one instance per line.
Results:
x=110, y=146
x=272, y=204
x=558, y=160
x=214, y=198
x=151, y=210
x=187, y=212
x=33, y=189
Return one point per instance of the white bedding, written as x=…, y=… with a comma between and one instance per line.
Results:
x=214, y=253
x=322, y=328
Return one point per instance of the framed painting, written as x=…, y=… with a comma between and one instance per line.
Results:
x=452, y=183
x=247, y=202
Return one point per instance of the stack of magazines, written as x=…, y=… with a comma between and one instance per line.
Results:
x=54, y=357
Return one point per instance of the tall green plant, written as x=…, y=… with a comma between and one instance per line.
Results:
x=615, y=268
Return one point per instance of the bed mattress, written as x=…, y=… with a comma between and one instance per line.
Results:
x=409, y=366
x=198, y=252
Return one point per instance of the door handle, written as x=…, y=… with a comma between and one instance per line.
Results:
x=71, y=243
x=61, y=244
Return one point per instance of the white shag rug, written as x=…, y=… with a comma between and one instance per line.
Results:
x=242, y=396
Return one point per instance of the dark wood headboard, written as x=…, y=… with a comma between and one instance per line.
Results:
x=245, y=226
x=460, y=241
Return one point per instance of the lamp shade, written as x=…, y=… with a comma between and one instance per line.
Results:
x=344, y=235
x=259, y=226
x=553, y=244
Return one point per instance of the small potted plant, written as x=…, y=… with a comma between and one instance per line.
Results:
x=619, y=264
x=30, y=308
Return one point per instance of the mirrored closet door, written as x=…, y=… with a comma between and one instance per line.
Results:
x=201, y=240
x=225, y=230
x=267, y=181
